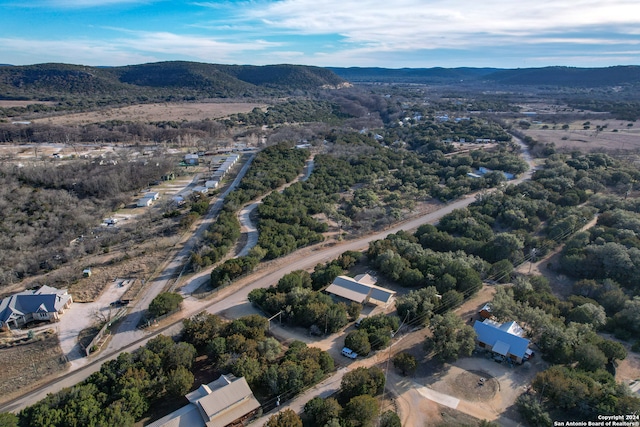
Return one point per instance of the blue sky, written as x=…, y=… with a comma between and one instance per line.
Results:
x=365, y=33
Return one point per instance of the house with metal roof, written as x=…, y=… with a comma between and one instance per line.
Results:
x=43, y=304
x=503, y=339
x=361, y=289
x=227, y=401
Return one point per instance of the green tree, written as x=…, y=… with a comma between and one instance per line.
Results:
x=613, y=350
x=390, y=419
x=361, y=381
x=451, y=337
x=361, y=411
x=418, y=305
x=286, y=418
x=7, y=419
x=588, y=313
x=201, y=328
x=320, y=411
x=269, y=349
x=590, y=357
x=165, y=303
x=358, y=341
x=406, y=362
x=179, y=381
x=247, y=367
x=532, y=411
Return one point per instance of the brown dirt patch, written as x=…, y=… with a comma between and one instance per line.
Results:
x=146, y=113
x=25, y=366
x=475, y=386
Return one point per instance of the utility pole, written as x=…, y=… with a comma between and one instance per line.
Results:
x=532, y=258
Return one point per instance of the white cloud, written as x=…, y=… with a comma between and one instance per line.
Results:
x=137, y=47
x=200, y=47
x=406, y=24
x=85, y=52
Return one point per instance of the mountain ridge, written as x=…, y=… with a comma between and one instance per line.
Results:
x=542, y=76
x=170, y=80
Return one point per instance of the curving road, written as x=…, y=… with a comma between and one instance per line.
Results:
x=128, y=338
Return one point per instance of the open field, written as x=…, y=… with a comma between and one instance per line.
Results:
x=27, y=364
x=616, y=136
x=146, y=113
x=11, y=103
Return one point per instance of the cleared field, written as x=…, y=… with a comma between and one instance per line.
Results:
x=26, y=365
x=155, y=112
x=9, y=104
x=612, y=135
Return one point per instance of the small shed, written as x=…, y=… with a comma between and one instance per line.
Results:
x=191, y=159
x=86, y=272
x=145, y=201
x=200, y=189
x=211, y=184
x=485, y=312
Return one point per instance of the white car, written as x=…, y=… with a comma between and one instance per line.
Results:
x=346, y=351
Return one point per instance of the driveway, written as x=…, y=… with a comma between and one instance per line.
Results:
x=81, y=316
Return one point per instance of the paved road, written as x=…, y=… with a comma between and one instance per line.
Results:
x=234, y=295
x=229, y=297
x=127, y=331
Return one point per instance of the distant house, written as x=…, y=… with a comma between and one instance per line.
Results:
x=144, y=201
x=200, y=189
x=153, y=195
x=361, y=289
x=191, y=159
x=227, y=401
x=503, y=339
x=211, y=184
x=46, y=303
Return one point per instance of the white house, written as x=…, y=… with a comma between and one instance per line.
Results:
x=144, y=201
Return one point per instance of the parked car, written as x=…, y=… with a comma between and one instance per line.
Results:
x=346, y=351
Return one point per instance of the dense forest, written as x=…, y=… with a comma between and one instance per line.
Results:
x=519, y=224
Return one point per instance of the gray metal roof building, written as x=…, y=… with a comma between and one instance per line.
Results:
x=361, y=291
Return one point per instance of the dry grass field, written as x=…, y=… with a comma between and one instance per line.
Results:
x=614, y=135
x=25, y=365
x=155, y=112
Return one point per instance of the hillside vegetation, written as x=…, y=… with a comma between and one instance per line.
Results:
x=162, y=81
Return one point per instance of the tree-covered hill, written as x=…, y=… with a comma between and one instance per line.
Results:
x=411, y=75
x=568, y=76
x=546, y=76
x=158, y=81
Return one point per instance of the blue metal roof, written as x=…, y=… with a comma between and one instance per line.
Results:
x=492, y=335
